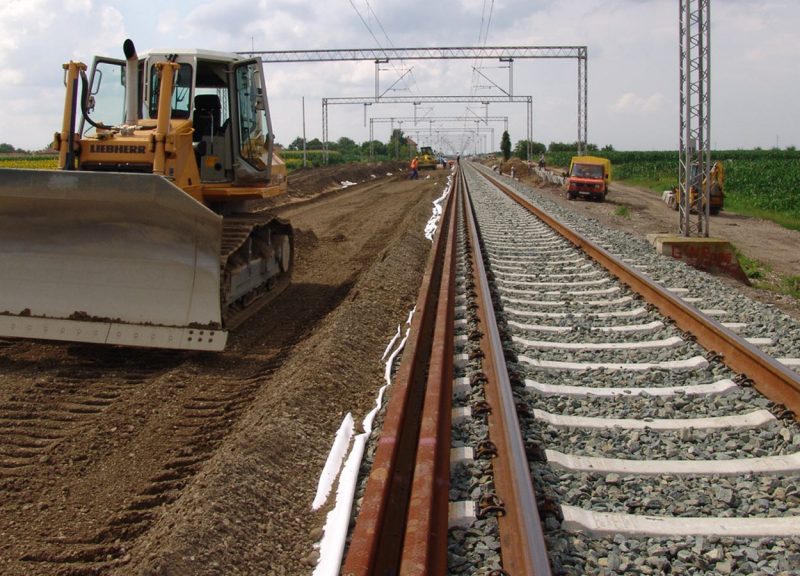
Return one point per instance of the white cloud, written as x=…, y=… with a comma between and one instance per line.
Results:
x=632, y=68
x=632, y=103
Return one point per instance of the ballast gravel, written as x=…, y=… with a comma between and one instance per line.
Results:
x=748, y=496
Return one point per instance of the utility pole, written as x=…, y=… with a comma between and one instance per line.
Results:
x=305, y=159
x=695, y=116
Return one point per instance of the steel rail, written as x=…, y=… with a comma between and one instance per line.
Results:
x=425, y=540
x=770, y=377
x=522, y=544
x=376, y=542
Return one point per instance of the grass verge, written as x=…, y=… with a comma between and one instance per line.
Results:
x=623, y=211
x=761, y=277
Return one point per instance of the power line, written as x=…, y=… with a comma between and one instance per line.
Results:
x=391, y=45
x=485, y=33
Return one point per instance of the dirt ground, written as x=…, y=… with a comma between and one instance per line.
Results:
x=777, y=248
x=143, y=462
x=124, y=461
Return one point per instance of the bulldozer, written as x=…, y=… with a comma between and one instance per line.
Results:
x=153, y=232
x=716, y=195
x=427, y=158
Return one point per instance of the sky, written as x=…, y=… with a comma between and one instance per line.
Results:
x=632, y=46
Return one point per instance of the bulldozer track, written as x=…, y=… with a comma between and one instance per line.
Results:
x=238, y=228
x=235, y=232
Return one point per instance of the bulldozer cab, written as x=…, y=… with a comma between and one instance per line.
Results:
x=217, y=97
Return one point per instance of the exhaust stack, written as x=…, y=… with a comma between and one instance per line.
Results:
x=131, y=83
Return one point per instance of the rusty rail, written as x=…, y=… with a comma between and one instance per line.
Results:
x=770, y=377
x=521, y=537
x=415, y=436
x=425, y=540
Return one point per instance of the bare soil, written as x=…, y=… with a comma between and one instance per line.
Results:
x=126, y=461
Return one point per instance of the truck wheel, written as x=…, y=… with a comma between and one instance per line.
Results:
x=571, y=196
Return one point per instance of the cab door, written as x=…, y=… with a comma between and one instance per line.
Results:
x=253, y=138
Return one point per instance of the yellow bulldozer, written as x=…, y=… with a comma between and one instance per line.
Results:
x=150, y=233
x=716, y=195
x=427, y=158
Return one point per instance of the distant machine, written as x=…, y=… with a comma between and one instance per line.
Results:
x=427, y=158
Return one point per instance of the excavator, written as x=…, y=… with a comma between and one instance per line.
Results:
x=152, y=232
x=716, y=195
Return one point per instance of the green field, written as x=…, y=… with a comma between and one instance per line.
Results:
x=293, y=160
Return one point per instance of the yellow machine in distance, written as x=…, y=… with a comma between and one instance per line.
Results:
x=427, y=158
x=150, y=233
x=716, y=194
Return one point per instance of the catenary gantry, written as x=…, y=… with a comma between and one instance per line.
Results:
x=382, y=55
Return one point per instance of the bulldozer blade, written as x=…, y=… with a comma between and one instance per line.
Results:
x=104, y=257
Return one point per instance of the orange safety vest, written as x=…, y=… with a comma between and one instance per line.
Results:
x=414, y=163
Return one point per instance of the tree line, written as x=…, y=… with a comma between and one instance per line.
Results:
x=399, y=147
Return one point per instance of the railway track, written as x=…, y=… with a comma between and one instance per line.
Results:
x=641, y=420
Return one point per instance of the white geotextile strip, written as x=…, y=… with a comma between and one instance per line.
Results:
x=433, y=223
x=331, y=547
x=334, y=461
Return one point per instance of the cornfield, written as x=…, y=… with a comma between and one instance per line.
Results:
x=35, y=162
x=772, y=185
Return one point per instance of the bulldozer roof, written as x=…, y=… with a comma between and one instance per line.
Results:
x=196, y=53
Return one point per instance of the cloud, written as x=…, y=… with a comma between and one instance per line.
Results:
x=631, y=103
x=632, y=68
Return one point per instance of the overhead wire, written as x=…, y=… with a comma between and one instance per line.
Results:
x=483, y=37
x=375, y=38
x=401, y=75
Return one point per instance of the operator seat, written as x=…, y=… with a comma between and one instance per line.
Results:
x=206, y=115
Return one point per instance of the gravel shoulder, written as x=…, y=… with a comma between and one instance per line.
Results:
x=777, y=248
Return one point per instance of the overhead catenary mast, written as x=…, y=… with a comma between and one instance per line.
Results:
x=695, y=116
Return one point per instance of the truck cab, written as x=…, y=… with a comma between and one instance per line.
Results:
x=588, y=176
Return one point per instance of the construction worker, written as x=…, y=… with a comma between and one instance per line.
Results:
x=414, y=168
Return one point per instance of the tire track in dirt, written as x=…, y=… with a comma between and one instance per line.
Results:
x=74, y=400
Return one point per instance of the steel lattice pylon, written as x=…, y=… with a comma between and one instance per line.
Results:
x=695, y=115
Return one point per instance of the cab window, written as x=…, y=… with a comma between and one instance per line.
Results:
x=181, y=92
x=253, y=125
